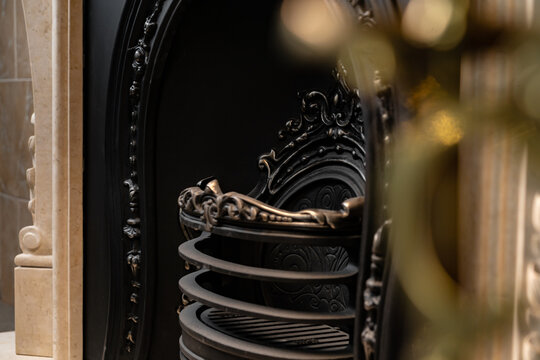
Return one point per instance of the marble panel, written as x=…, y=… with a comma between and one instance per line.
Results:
x=3, y=237
x=23, y=58
x=33, y=311
x=15, y=215
x=16, y=107
x=7, y=321
x=7, y=39
x=8, y=234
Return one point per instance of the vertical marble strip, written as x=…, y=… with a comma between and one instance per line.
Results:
x=531, y=338
x=67, y=174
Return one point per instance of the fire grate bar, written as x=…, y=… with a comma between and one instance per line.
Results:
x=275, y=333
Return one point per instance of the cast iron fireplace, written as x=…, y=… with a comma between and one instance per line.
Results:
x=278, y=269
x=281, y=257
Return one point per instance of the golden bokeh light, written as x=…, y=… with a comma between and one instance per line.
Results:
x=320, y=24
x=531, y=89
x=371, y=59
x=425, y=21
x=527, y=84
x=445, y=128
x=434, y=23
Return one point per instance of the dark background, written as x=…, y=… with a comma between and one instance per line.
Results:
x=222, y=86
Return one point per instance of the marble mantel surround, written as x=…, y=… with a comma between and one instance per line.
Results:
x=48, y=276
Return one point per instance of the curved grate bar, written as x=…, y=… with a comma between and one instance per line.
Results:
x=276, y=333
x=191, y=287
x=190, y=252
x=228, y=336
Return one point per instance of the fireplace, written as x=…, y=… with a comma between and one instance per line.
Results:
x=285, y=261
x=275, y=272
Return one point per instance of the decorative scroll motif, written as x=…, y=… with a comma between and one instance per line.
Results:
x=329, y=123
x=329, y=197
x=373, y=285
x=30, y=237
x=311, y=297
x=31, y=172
x=372, y=291
x=211, y=206
x=131, y=229
x=531, y=342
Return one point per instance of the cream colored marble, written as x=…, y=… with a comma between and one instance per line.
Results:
x=38, y=19
x=54, y=30
x=67, y=178
x=34, y=275
x=7, y=348
x=33, y=311
x=7, y=65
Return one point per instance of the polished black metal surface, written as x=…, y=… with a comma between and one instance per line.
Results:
x=195, y=252
x=161, y=112
x=221, y=335
x=210, y=98
x=278, y=334
x=302, y=223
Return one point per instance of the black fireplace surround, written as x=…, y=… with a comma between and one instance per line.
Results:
x=279, y=252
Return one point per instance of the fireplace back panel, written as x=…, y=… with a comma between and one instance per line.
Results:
x=222, y=87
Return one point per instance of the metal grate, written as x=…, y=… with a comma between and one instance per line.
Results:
x=287, y=293
x=277, y=333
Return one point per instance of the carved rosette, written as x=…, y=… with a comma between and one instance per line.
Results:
x=131, y=232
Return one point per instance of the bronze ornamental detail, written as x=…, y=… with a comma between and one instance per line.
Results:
x=328, y=122
x=132, y=227
x=211, y=206
x=329, y=132
x=303, y=222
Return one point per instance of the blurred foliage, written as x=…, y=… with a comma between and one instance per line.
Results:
x=463, y=70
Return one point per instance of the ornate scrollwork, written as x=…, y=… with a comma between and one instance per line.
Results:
x=131, y=231
x=372, y=291
x=211, y=206
x=328, y=123
x=313, y=297
x=374, y=283
x=337, y=110
x=30, y=237
x=301, y=296
x=31, y=172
